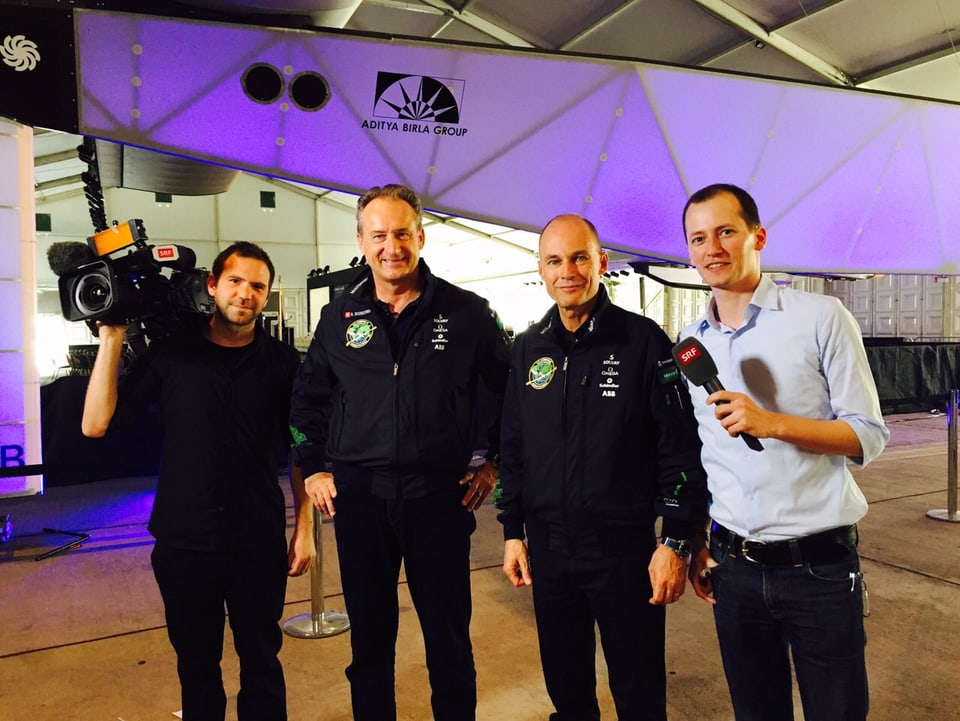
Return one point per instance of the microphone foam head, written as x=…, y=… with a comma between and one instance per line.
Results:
x=64, y=256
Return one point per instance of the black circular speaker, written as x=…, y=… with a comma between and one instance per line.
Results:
x=262, y=83
x=309, y=91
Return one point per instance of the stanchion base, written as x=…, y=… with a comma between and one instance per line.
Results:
x=942, y=514
x=309, y=625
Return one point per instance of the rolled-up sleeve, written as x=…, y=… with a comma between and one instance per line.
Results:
x=853, y=390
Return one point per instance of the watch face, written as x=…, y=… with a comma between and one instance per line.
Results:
x=681, y=548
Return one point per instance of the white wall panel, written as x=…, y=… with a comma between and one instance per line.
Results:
x=185, y=220
x=240, y=216
x=914, y=307
x=951, y=308
x=932, y=310
x=69, y=215
x=336, y=236
x=19, y=379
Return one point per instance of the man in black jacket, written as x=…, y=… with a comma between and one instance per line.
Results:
x=384, y=420
x=598, y=440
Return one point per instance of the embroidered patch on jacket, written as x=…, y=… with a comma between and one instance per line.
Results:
x=541, y=373
x=609, y=388
x=356, y=313
x=608, y=383
x=667, y=375
x=667, y=371
x=359, y=333
x=440, y=336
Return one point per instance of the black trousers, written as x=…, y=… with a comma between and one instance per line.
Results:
x=195, y=587
x=431, y=536
x=571, y=593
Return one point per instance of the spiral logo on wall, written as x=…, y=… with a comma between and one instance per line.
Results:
x=19, y=53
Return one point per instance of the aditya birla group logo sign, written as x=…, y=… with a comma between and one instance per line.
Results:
x=418, y=97
x=417, y=104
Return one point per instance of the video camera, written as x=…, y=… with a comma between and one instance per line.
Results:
x=101, y=282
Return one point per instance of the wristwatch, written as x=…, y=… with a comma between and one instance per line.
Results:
x=681, y=548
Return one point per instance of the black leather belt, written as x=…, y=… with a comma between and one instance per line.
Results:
x=823, y=547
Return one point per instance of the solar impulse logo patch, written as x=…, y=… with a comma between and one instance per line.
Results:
x=417, y=104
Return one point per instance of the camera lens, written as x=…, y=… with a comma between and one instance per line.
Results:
x=93, y=293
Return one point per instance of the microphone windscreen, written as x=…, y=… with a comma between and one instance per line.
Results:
x=64, y=256
x=694, y=361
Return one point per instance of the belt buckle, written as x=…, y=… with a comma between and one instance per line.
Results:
x=745, y=549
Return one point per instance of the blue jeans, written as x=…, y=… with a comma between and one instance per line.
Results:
x=766, y=613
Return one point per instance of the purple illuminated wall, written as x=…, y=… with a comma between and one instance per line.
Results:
x=20, y=450
x=846, y=181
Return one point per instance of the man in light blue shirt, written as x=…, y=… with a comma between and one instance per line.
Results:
x=782, y=569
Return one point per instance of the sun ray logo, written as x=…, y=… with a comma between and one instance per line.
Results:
x=418, y=97
x=19, y=53
x=359, y=333
x=541, y=373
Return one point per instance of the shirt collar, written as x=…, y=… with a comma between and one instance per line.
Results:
x=766, y=296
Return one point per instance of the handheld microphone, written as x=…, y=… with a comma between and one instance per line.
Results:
x=697, y=365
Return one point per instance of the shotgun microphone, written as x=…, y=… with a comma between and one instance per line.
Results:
x=697, y=365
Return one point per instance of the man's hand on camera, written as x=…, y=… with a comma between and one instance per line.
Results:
x=105, y=330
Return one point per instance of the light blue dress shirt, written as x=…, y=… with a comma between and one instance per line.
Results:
x=801, y=354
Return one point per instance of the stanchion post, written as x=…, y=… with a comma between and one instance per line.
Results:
x=319, y=623
x=950, y=512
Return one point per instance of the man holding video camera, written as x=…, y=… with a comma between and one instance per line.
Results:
x=219, y=516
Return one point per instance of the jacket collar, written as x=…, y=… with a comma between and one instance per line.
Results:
x=552, y=325
x=361, y=289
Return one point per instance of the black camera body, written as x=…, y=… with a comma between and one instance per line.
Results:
x=127, y=283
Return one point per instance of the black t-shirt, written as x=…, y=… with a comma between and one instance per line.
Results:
x=224, y=413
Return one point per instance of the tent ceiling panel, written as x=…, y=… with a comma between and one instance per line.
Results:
x=659, y=32
x=938, y=78
x=743, y=59
x=379, y=18
x=888, y=31
x=778, y=13
x=543, y=28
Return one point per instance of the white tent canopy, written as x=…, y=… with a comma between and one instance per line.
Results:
x=848, y=181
